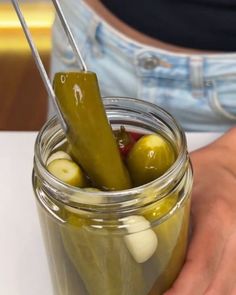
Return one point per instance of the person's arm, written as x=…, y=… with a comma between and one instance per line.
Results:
x=210, y=266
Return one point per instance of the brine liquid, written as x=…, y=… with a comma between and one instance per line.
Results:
x=89, y=260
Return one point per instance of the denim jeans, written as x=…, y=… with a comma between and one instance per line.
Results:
x=199, y=90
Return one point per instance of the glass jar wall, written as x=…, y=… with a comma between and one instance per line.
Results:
x=130, y=242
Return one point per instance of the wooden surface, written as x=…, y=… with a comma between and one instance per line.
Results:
x=23, y=99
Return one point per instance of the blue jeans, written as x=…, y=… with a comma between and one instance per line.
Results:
x=198, y=90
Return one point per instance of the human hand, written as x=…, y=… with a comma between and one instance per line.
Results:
x=210, y=266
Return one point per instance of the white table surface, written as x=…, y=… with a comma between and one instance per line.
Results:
x=23, y=265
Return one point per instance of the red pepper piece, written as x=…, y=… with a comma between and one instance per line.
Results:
x=135, y=135
x=124, y=140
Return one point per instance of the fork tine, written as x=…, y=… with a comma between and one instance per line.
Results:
x=39, y=63
x=69, y=34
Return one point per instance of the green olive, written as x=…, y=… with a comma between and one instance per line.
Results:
x=161, y=207
x=150, y=157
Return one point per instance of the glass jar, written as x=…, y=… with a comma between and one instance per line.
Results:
x=130, y=242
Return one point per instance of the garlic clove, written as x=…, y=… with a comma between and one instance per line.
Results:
x=141, y=241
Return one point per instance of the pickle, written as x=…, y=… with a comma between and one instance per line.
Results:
x=65, y=278
x=58, y=155
x=89, y=133
x=99, y=257
x=68, y=172
x=150, y=157
x=172, y=236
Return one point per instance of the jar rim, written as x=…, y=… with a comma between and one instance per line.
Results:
x=111, y=196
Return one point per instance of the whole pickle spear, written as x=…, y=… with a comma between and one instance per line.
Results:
x=103, y=262
x=89, y=134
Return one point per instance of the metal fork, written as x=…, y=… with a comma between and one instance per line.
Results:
x=38, y=60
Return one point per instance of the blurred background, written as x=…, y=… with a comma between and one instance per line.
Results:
x=22, y=94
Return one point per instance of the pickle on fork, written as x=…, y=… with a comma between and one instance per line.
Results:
x=89, y=132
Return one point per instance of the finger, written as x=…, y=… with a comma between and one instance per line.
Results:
x=224, y=281
x=203, y=257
